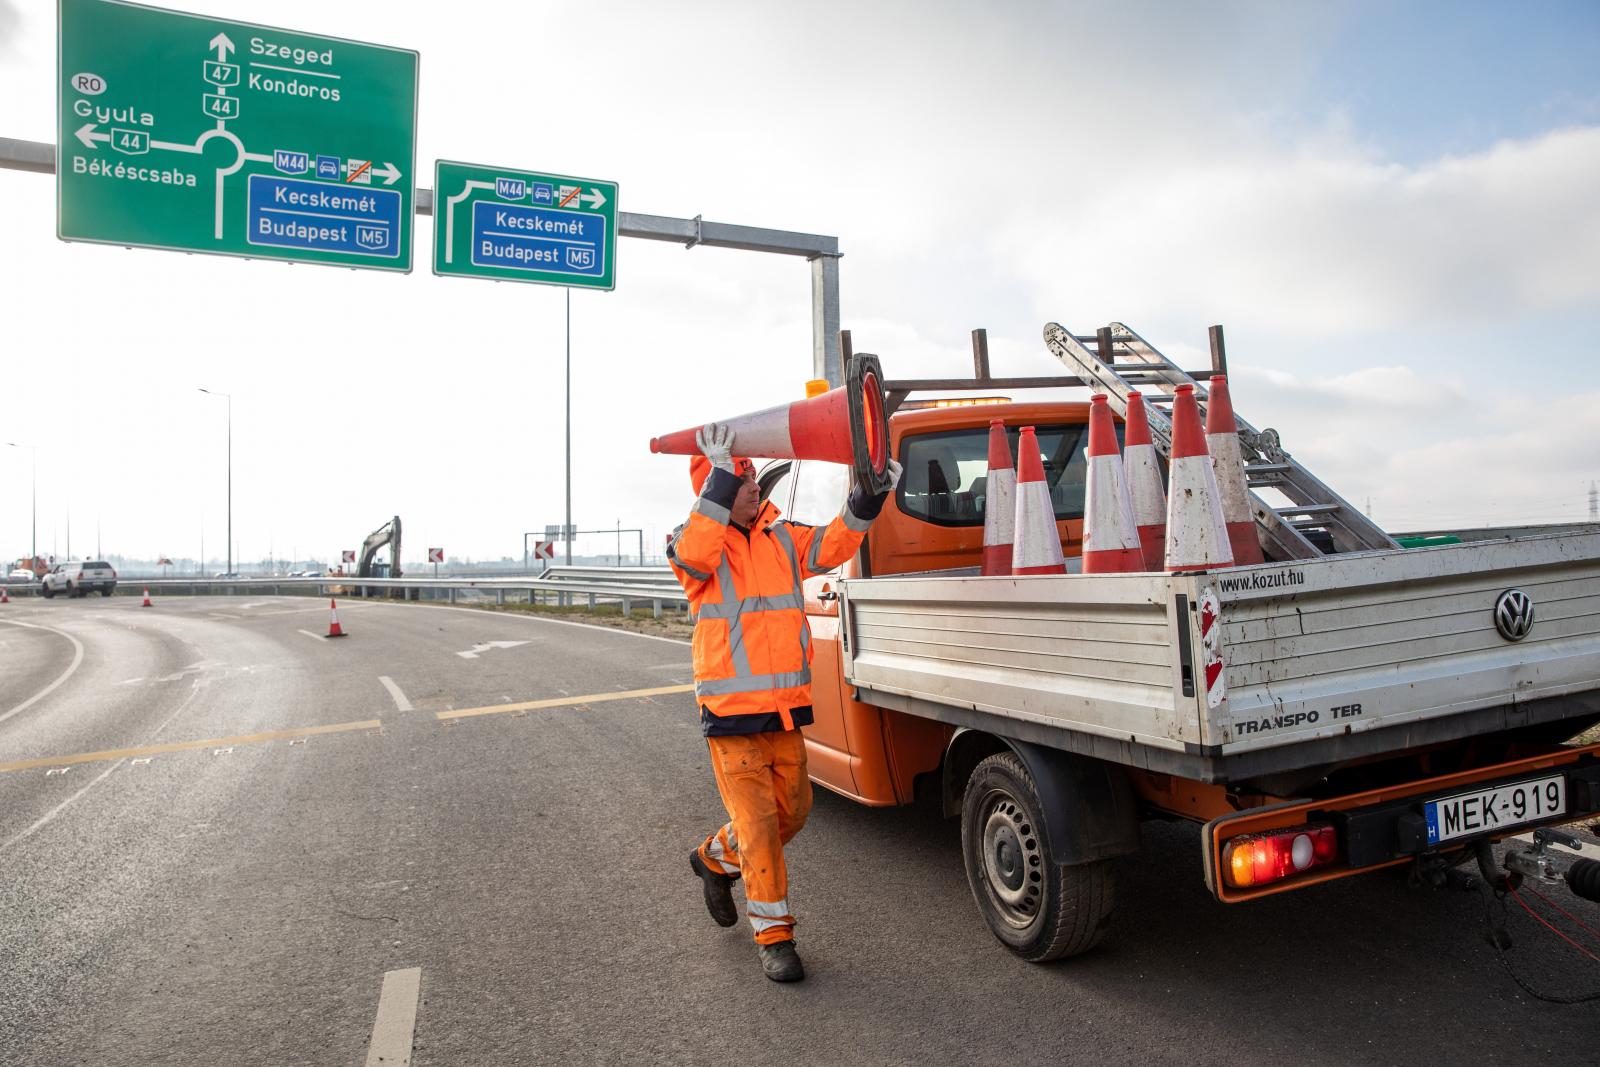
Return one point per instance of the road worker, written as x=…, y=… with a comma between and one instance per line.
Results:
x=741, y=566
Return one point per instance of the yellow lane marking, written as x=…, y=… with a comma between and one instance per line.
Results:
x=188, y=746
x=594, y=698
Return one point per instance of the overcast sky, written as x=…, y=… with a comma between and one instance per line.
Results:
x=1392, y=208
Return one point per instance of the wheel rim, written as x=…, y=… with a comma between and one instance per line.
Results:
x=1013, y=862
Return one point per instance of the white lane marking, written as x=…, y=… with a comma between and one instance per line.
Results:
x=256, y=604
x=77, y=658
x=319, y=637
x=524, y=617
x=476, y=650
x=393, y=1029
x=400, y=701
x=220, y=615
x=53, y=812
x=665, y=667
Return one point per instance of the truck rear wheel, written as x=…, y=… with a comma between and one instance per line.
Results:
x=1039, y=909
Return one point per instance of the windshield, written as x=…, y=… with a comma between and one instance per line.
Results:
x=946, y=474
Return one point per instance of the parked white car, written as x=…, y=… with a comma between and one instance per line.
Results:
x=80, y=578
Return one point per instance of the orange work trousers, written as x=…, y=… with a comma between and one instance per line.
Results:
x=762, y=779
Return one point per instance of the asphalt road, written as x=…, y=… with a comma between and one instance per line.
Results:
x=242, y=901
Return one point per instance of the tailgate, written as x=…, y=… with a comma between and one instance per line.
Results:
x=1348, y=644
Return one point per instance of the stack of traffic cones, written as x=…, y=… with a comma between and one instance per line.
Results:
x=1222, y=439
x=1110, y=540
x=1197, y=537
x=1037, y=549
x=147, y=603
x=333, y=619
x=1144, y=483
x=999, y=506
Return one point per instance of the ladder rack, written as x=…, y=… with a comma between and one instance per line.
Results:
x=1122, y=362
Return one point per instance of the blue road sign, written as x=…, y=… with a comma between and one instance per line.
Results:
x=538, y=239
x=324, y=216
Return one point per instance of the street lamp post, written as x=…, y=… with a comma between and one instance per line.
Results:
x=34, y=551
x=229, y=397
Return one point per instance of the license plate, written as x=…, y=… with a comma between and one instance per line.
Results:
x=1495, y=808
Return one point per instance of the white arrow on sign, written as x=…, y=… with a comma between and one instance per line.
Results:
x=594, y=198
x=223, y=46
x=86, y=134
x=472, y=653
x=388, y=172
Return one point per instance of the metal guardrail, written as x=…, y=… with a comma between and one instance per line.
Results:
x=560, y=591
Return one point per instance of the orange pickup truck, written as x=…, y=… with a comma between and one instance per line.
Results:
x=1373, y=714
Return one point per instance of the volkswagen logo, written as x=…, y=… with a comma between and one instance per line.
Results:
x=1513, y=614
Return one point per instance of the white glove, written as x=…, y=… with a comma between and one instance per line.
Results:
x=894, y=470
x=716, y=442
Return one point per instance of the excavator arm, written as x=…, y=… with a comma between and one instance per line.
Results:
x=387, y=534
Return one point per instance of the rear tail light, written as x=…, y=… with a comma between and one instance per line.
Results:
x=1257, y=859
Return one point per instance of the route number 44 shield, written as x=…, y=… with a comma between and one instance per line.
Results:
x=196, y=134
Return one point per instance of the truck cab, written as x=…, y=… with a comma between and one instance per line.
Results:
x=1046, y=806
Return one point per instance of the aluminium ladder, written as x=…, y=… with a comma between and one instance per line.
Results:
x=1122, y=362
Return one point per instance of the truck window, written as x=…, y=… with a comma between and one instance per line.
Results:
x=945, y=473
x=819, y=491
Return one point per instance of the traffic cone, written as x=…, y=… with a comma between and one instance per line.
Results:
x=848, y=425
x=1110, y=539
x=147, y=603
x=1197, y=538
x=333, y=619
x=1037, y=547
x=999, y=505
x=1222, y=440
x=1144, y=483
x=4, y=599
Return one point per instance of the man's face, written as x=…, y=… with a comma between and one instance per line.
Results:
x=748, y=500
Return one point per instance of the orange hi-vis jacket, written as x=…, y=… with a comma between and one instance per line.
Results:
x=752, y=646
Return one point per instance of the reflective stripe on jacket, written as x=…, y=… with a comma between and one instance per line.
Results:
x=752, y=646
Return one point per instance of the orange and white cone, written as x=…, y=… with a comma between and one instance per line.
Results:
x=4, y=599
x=1143, y=471
x=1197, y=538
x=147, y=603
x=1110, y=539
x=1037, y=548
x=333, y=619
x=1000, y=503
x=1222, y=440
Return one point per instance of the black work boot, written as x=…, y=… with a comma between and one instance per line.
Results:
x=718, y=890
x=781, y=962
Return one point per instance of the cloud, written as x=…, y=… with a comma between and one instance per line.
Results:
x=1431, y=453
x=1327, y=242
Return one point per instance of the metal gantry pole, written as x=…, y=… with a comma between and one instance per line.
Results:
x=567, y=531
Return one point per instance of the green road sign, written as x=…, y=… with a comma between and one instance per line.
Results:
x=523, y=226
x=202, y=135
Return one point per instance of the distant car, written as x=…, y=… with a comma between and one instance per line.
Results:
x=21, y=574
x=227, y=575
x=308, y=574
x=80, y=578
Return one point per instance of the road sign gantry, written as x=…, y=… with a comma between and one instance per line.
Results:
x=196, y=134
x=525, y=226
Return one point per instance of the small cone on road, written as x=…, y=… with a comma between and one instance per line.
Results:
x=1144, y=483
x=1222, y=441
x=333, y=619
x=1110, y=539
x=1037, y=547
x=4, y=599
x=1197, y=538
x=147, y=603
x=999, y=506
